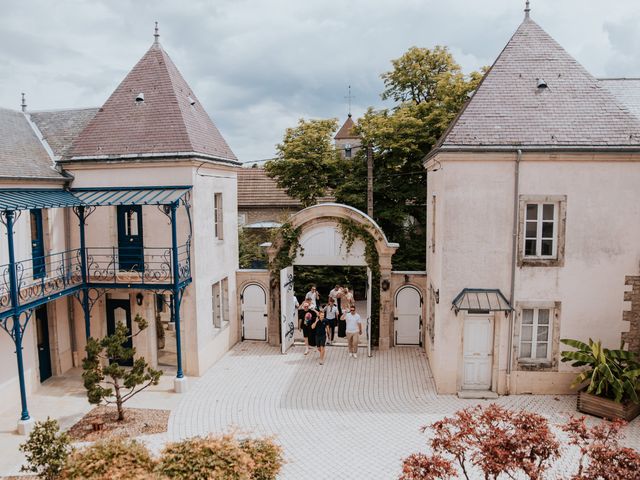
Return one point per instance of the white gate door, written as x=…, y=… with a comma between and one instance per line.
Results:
x=368, y=312
x=478, y=352
x=408, y=316
x=288, y=313
x=254, y=313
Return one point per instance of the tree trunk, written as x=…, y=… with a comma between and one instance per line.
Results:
x=116, y=387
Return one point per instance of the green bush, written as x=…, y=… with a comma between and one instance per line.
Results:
x=612, y=374
x=110, y=460
x=206, y=457
x=267, y=457
x=46, y=450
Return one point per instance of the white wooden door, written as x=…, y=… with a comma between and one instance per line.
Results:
x=478, y=352
x=288, y=313
x=408, y=316
x=254, y=313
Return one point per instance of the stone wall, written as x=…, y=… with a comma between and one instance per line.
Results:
x=632, y=336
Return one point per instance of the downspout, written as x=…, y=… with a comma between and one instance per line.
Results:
x=514, y=256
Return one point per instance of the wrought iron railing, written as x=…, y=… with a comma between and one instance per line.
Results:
x=42, y=277
x=126, y=265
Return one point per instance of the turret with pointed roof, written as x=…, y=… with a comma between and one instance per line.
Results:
x=537, y=96
x=347, y=131
x=152, y=113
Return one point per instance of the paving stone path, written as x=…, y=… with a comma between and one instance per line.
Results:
x=347, y=419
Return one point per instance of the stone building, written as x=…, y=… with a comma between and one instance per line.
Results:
x=534, y=220
x=109, y=213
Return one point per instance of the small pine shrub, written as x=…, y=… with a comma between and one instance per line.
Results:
x=46, y=450
x=202, y=458
x=114, y=459
x=266, y=455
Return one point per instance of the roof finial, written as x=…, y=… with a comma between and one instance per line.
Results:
x=23, y=105
x=527, y=9
x=156, y=34
x=349, y=97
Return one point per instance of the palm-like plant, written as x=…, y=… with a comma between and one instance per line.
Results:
x=612, y=374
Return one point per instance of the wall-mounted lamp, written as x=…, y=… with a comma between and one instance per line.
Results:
x=139, y=298
x=385, y=284
x=406, y=279
x=437, y=295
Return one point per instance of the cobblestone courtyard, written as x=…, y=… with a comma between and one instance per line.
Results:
x=348, y=419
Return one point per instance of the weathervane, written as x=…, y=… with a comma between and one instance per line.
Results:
x=527, y=9
x=156, y=34
x=349, y=97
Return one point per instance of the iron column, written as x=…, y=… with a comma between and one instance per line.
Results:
x=176, y=289
x=17, y=330
x=83, y=266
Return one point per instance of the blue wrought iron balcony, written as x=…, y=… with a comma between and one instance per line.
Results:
x=41, y=279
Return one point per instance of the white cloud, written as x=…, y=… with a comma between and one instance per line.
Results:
x=259, y=65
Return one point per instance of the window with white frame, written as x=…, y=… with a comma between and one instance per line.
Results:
x=220, y=303
x=535, y=334
x=541, y=230
x=216, y=304
x=217, y=216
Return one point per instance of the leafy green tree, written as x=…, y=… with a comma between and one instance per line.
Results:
x=251, y=254
x=115, y=383
x=307, y=162
x=46, y=450
x=430, y=89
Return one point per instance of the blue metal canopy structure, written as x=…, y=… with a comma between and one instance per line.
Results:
x=82, y=270
x=27, y=199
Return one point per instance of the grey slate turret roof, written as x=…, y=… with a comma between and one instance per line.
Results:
x=168, y=121
x=22, y=155
x=509, y=110
x=626, y=90
x=60, y=127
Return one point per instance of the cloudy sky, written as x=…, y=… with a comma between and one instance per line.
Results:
x=259, y=65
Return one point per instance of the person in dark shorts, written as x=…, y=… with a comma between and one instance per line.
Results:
x=320, y=329
x=331, y=316
x=304, y=324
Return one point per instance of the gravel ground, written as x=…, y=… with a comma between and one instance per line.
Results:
x=137, y=421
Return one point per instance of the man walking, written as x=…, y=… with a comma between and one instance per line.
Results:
x=354, y=330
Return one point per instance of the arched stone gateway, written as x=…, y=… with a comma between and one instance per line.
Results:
x=322, y=243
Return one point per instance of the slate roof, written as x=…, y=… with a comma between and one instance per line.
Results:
x=626, y=90
x=256, y=189
x=509, y=110
x=169, y=121
x=21, y=153
x=60, y=127
x=347, y=132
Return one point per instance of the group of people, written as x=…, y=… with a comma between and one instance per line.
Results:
x=318, y=321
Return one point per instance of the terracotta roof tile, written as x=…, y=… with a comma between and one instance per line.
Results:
x=22, y=155
x=169, y=120
x=508, y=108
x=256, y=189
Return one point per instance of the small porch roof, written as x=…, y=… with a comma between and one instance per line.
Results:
x=481, y=300
x=26, y=199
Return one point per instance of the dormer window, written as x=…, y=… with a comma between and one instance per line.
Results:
x=192, y=102
x=140, y=98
